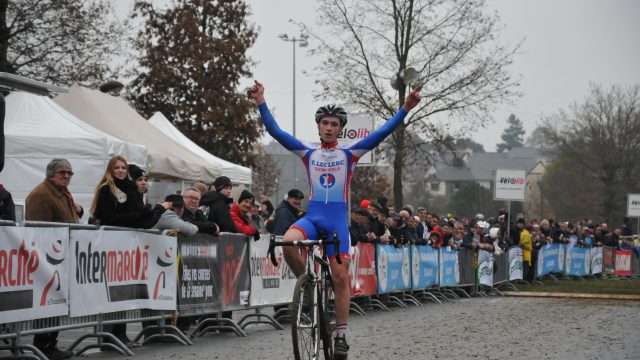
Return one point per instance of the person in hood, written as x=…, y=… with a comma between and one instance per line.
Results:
x=215, y=204
x=241, y=212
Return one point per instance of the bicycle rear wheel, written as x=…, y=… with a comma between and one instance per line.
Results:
x=305, y=325
x=327, y=318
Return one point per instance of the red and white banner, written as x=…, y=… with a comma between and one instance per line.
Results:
x=33, y=273
x=623, y=262
x=270, y=284
x=121, y=270
x=362, y=270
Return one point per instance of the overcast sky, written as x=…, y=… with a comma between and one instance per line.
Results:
x=567, y=44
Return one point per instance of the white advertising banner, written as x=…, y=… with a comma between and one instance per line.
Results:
x=596, y=260
x=270, y=284
x=515, y=263
x=33, y=273
x=485, y=267
x=633, y=205
x=358, y=127
x=509, y=184
x=121, y=270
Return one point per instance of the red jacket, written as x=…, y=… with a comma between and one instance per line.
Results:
x=241, y=221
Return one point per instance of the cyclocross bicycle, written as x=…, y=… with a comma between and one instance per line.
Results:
x=312, y=314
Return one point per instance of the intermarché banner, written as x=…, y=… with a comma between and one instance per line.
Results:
x=121, y=270
x=33, y=273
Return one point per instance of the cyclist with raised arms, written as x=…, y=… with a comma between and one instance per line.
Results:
x=329, y=168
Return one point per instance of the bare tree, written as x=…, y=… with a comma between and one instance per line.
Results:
x=600, y=136
x=264, y=174
x=59, y=41
x=452, y=45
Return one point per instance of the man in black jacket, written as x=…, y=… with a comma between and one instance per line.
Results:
x=194, y=215
x=287, y=212
x=215, y=204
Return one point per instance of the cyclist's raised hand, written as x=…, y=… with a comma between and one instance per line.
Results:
x=412, y=99
x=257, y=92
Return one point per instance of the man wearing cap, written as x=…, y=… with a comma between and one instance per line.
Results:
x=216, y=203
x=287, y=212
x=376, y=226
x=52, y=201
x=172, y=217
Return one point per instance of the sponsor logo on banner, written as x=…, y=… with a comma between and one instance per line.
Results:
x=515, y=263
x=485, y=267
x=363, y=270
x=381, y=261
x=425, y=267
x=391, y=263
x=270, y=284
x=415, y=266
x=596, y=260
x=578, y=260
x=406, y=268
x=449, y=270
x=33, y=273
x=623, y=262
x=122, y=270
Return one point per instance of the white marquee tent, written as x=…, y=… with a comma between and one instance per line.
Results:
x=237, y=173
x=38, y=130
x=166, y=158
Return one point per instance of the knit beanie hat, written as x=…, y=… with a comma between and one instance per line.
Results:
x=246, y=195
x=136, y=172
x=221, y=183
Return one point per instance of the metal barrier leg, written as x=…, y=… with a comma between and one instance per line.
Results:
x=461, y=291
x=394, y=300
x=429, y=296
x=162, y=331
x=356, y=309
x=17, y=350
x=269, y=320
x=217, y=324
x=113, y=344
x=406, y=297
x=377, y=304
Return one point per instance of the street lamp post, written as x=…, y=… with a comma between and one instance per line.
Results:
x=302, y=42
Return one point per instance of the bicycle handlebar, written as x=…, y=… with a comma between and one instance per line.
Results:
x=303, y=243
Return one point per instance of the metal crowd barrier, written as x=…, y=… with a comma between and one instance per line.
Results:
x=13, y=332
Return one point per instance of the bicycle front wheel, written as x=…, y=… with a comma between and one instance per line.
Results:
x=327, y=318
x=305, y=326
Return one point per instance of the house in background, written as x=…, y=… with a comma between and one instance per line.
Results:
x=450, y=172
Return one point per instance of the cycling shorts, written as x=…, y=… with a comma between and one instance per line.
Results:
x=326, y=218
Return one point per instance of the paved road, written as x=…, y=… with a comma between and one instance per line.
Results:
x=479, y=328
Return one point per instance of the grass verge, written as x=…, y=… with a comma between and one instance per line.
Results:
x=590, y=286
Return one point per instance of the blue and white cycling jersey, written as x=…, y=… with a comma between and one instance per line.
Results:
x=329, y=170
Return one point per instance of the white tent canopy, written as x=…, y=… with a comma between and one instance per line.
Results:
x=38, y=130
x=237, y=173
x=165, y=157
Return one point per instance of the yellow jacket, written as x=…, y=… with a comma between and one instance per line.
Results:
x=526, y=244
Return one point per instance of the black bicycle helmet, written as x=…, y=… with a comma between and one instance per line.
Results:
x=332, y=110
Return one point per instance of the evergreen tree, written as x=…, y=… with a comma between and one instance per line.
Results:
x=513, y=135
x=193, y=57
